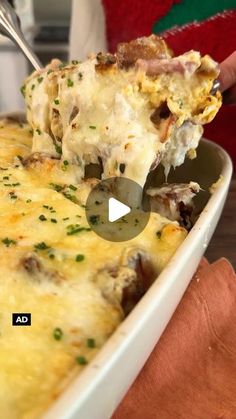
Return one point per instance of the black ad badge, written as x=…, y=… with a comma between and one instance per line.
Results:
x=21, y=319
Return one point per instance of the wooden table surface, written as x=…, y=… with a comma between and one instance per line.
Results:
x=223, y=242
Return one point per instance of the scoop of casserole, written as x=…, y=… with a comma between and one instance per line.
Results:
x=128, y=111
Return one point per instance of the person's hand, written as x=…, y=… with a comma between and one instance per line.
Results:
x=227, y=78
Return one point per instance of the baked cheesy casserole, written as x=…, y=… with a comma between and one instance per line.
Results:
x=127, y=112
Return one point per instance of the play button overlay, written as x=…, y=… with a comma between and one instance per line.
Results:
x=116, y=210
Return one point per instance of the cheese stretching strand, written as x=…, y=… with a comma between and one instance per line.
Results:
x=128, y=111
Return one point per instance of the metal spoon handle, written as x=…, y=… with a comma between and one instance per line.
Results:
x=9, y=26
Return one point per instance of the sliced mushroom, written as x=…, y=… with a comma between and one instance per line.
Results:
x=56, y=127
x=74, y=113
x=105, y=61
x=32, y=265
x=125, y=283
x=35, y=158
x=37, y=271
x=163, y=120
x=156, y=162
x=175, y=201
x=142, y=48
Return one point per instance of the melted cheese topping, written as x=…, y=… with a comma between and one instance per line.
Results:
x=46, y=280
x=113, y=115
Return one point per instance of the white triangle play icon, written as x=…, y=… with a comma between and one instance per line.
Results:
x=116, y=210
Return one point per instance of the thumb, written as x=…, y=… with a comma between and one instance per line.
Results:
x=227, y=75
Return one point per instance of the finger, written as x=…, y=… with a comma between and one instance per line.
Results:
x=227, y=75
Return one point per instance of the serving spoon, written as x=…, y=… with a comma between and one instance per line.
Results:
x=10, y=27
x=215, y=87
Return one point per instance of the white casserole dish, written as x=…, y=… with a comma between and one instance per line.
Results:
x=97, y=391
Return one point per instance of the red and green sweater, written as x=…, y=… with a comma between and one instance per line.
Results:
x=208, y=26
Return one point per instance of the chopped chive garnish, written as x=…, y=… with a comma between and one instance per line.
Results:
x=75, y=62
x=57, y=333
x=94, y=219
x=62, y=65
x=73, y=188
x=70, y=197
x=41, y=246
x=79, y=161
x=49, y=71
x=91, y=343
x=70, y=83
x=58, y=148
x=52, y=256
x=65, y=165
x=77, y=230
x=33, y=86
x=71, y=226
x=38, y=131
x=45, y=206
x=56, y=101
x=56, y=187
x=79, y=258
x=66, y=218
x=5, y=177
x=8, y=242
x=53, y=220
x=42, y=217
x=29, y=200
x=23, y=89
x=92, y=127
x=40, y=79
x=158, y=234
x=80, y=75
x=81, y=360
